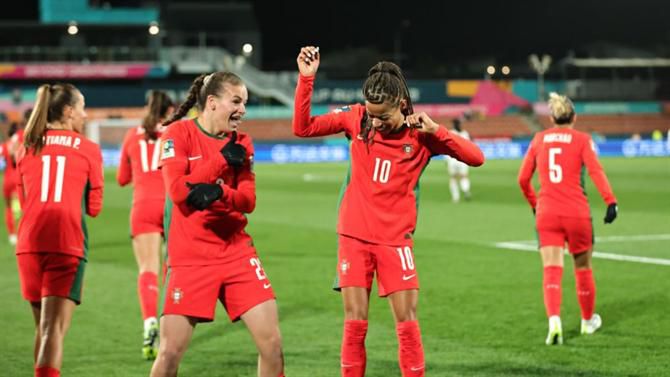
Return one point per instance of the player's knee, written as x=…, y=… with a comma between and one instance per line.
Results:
x=271, y=347
x=406, y=316
x=356, y=314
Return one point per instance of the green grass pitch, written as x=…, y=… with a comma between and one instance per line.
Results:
x=480, y=309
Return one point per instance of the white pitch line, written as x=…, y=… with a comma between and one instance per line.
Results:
x=525, y=246
x=642, y=237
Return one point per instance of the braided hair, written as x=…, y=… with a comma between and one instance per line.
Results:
x=385, y=84
x=202, y=87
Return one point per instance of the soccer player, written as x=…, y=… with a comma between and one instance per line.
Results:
x=139, y=165
x=60, y=176
x=207, y=164
x=458, y=171
x=9, y=179
x=390, y=146
x=562, y=214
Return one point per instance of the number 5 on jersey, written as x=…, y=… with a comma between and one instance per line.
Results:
x=46, y=177
x=555, y=170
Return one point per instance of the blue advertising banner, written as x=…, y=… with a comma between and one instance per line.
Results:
x=306, y=153
x=339, y=152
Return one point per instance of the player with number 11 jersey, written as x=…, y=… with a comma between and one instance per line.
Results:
x=56, y=185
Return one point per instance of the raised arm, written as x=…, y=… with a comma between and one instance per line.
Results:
x=305, y=125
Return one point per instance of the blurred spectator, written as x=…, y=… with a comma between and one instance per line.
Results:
x=657, y=135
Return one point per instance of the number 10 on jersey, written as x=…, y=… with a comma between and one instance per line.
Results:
x=382, y=170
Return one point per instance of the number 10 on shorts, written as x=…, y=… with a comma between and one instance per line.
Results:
x=406, y=258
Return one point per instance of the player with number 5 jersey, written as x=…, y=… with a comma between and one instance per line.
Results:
x=140, y=154
x=390, y=146
x=562, y=213
x=60, y=181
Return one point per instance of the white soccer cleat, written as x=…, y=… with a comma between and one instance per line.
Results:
x=150, y=345
x=12, y=239
x=589, y=326
x=555, y=335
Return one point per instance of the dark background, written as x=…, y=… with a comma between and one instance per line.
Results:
x=427, y=38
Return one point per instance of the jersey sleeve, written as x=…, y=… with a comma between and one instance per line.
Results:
x=449, y=143
x=526, y=172
x=96, y=182
x=596, y=172
x=125, y=174
x=175, y=167
x=243, y=197
x=305, y=125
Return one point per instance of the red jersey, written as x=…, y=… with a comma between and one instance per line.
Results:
x=10, y=177
x=139, y=164
x=560, y=154
x=379, y=202
x=191, y=155
x=55, y=186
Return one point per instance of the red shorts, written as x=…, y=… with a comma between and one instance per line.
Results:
x=51, y=274
x=146, y=217
x=577, y=232
x=193, y=290
x=359, y=260
x=9, y=189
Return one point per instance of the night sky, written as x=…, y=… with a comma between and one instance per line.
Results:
x=422, y=34
x=453, y=31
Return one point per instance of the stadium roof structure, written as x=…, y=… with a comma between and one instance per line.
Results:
x=617, y=62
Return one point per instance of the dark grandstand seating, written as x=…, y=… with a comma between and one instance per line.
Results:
x=504, y=126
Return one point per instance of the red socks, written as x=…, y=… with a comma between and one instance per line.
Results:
x=586, y=291
x=410, y=349
x=46, y=372
x=552, y=289
x=9, y=220
x=353, y=356
x=147, y=289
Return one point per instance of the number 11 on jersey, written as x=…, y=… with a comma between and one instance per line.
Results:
x=46, y=177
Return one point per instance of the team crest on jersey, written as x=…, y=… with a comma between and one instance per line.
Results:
x=177, y=295
x=342, y=109
x=345, y=266
x=168, y=149
x=407, y=148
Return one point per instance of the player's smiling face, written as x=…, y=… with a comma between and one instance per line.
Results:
x=385, y=116
x=230, y=107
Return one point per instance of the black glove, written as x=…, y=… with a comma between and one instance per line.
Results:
x=234, y=153
x=612, y=211
x=202, y=195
